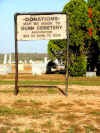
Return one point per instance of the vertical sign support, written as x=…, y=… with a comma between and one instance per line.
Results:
x=67, y=56
x=16, y=58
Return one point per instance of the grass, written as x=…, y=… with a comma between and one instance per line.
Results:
x=76, y=81
x=29, y=131
x=35, y=103
x=25, y=108
x=22, y=110
x=53, y=115
x=31, y=82
x=85, y=82
x=6, y=111
x=27, y=90
x=48, y=124
x=51, y=91
x=39, y=113
x=4, y=129
x=71, y=129
x=35, y=109
x=96, y=113
x=95, y=81
x=83, y=92
x=21, y=101
x=90, y=129
x=7, y=129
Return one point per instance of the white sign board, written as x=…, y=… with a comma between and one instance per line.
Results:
x=41, y=27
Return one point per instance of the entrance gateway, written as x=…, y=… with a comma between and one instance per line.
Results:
x=40, y=26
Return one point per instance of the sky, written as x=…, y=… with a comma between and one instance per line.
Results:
x=7, y=10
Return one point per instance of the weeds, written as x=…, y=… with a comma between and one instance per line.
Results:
x=71, y=129
x=5, y=111
x=90, y=129
x=51, y=91
x=95, y=113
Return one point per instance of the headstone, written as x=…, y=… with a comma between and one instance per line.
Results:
x=30, y=61
x=5, y=59
x=43, y=67
x=21, y=67
x=9, y=61
x=3, y=70
x=9, y=68
x=90, y=74
x=25, y=61
x=36, y=68
x=20, y=62
x=45, y=60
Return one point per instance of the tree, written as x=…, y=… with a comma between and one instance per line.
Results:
x=94, y=40
x=77, y=10
x=56, y=49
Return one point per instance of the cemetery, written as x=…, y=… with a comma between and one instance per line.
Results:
x=49, y=66
x=36, y=67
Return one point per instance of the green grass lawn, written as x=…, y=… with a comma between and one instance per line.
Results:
x=72, y=81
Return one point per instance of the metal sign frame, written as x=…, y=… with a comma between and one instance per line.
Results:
x=16, y=90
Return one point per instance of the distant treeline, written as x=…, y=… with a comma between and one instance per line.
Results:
x=25, y=56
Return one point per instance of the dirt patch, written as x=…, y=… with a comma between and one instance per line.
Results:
x=41, y=110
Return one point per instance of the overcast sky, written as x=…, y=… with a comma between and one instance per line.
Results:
x=7, y=10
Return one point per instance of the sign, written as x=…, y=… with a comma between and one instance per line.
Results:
x=41, y=27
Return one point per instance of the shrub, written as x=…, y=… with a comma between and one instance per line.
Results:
x=78, y=67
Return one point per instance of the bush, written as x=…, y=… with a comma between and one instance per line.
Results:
x=78, y=68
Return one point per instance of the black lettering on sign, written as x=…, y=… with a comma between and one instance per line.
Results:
x=32, y=35
x=40, y=35
x=46, y=23
x=56, y=35
x=26, y=23
x=27, y=28
x=40, y=18
x=49, y=27
x=25, y=36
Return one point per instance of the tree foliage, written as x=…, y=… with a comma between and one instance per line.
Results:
x=79, y=38
x=56, y=49
x=94, y=41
